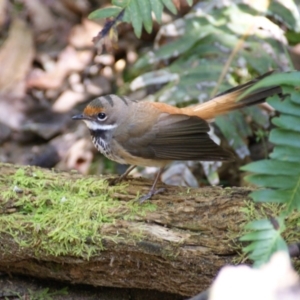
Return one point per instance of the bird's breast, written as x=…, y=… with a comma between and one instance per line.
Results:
x=102, y=142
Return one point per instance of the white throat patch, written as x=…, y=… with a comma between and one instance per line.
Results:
x=96, y=126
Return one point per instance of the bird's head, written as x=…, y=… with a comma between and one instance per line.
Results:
x=104, y=113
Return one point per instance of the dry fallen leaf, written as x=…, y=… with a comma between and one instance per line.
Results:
x=69, y=60
x=67, y=100
x=16, y=55
x=4, y=133
x=3, y=12
x=80, y=156
x=40, y=14
x=77, y=6
x=82, y=34
x=47, y=123
x=97, y=86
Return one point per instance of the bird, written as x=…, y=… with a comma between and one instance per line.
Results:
x=144, y=133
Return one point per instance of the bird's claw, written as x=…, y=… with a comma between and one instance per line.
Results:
x=150, y=194
x=114, y=181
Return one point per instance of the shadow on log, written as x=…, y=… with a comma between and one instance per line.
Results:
x=78, y=229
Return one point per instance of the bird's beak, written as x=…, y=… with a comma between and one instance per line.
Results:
x=79, y=117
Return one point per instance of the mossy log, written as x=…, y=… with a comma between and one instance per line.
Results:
x=78, y=229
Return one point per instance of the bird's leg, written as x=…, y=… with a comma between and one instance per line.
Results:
x=152, y=191
x=124, y=175
x=114, y=181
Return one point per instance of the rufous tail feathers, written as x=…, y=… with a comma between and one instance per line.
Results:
x=227, y=101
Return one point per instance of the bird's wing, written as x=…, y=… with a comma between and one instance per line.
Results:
x=175, y=137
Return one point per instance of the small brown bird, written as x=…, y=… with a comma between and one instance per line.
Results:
x=141, y=133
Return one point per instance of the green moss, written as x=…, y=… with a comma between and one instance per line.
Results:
x=60, y=215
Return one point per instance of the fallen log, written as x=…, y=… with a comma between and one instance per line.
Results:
x=78, y=229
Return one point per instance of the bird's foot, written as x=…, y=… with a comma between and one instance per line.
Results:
x=114, y=181
x=150, y=194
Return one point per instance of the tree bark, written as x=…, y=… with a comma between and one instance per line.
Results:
x=177, y=246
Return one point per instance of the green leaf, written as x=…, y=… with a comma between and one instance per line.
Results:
x=287, y=122
x=257, y=116
x=293, y=92
x=258, y=235
x=279, y=175
x=126, y=17
x=285, y=137
x=258, y=251
x=259, y=225
x=228, y=124
x=265, y=240
x=286, y=153
x=289, y=196
x=106, y=12
x=282, y=171
x=275, y=181
x=145, y=11
x=159, y=77
x=170, y=6
x=261, y=62
x=273, y=167
x=286, y=106
x=120, y=3
x=286, y=12
x=292, y=78
x=190, y=2
x=276, y=196
x=135, y=17
x=175, y=48
x=157, y=8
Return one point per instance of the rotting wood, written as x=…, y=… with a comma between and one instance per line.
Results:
x=178, y=248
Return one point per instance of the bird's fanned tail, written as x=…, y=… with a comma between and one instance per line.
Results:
x=227, y=101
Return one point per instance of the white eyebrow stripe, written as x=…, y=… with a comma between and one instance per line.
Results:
x=96, y=126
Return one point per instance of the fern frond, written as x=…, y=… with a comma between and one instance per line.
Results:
x=137, y=12
x=279, y=176
x=265, y=238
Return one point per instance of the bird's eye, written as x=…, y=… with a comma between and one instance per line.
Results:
x=101, y=116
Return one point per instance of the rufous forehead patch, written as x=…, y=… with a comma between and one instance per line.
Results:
x=92, y=110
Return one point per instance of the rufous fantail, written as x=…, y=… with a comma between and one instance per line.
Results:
x=142, y=133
